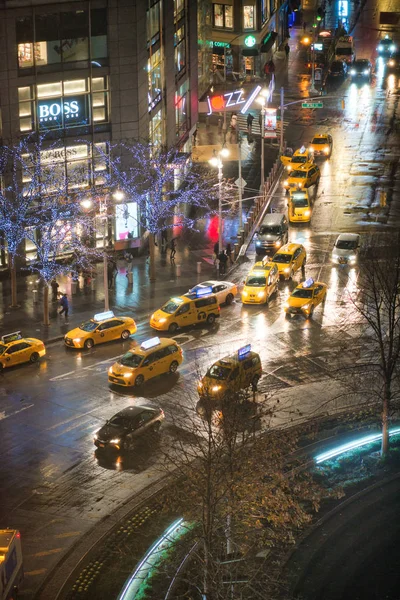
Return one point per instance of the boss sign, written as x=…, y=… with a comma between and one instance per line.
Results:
x=57, y=113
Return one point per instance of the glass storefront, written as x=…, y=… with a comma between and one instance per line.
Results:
x=154, y=78
x=182, y=108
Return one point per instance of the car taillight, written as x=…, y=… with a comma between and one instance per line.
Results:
x=219, y=308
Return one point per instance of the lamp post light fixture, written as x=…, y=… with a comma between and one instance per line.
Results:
x=216, y=161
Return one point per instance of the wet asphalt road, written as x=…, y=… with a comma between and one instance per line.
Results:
x=53, y=486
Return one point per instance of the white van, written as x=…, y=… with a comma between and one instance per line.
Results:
x=345, y=49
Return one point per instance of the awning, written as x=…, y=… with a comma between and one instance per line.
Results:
x=250, y=52
x=268, y=41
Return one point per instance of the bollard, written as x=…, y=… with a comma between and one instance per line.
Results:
x=236, y=249
x=178, y=270
x=74, y=286
x=130, y=277
x=93, y=284
x=199, y=267
x=35, y=296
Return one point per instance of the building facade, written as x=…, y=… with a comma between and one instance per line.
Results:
x=245, y=32
x=89, y=74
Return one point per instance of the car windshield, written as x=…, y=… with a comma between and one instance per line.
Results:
x=2, y=349
x=170, y=307
x=130, y=360
x=88, y=326
x=300, y=202
x=299, y=174
x=272, y=229
x=302, y=293
x=361, y=64
x=256, y=281
x=344, y=51
x=218, y=372
x=346, y=244
x=387, y=41
x=317, y=141
x=299, y=159
x=282, y=258
x=118, y=421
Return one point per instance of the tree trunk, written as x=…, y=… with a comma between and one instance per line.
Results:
x=385, y=421
x=46, y=317
x=13, y=273
x=152, y=257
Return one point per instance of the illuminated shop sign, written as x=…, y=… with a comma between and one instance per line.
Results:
x=223, y=102
x=343, y=8
x=57, y=112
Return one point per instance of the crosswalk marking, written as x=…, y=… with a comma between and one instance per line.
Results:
x=255, y=128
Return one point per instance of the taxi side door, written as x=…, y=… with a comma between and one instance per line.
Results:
x=234, y=381
x=103, y=332
x=319, y=294
x=16, y=354
x=272, y=281
x=298, y=259
x=116, y=328
x=184, y=316
x=151, y=364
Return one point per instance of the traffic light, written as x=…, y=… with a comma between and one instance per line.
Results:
x=343, y=104
x=320, y=14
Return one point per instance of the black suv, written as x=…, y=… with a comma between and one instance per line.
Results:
x=361, y=69
x=124, y=428
x=338, y=69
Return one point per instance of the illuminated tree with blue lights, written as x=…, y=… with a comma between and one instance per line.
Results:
x=167, y=188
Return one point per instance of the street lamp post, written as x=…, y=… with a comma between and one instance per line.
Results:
x=216, y=161
x=262, y=99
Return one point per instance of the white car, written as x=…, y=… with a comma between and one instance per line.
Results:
x=224, y=290
x=345, y=250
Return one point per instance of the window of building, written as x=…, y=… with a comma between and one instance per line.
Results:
x=248, y=17
x=51, y=39
x=154, y=78
x=180, y=50
x=63, y=104
x=156, y=130
x=153, y=23
x=182, y=108
x=264, y=11
x=179, y=10
x=271, y=7
x=223, y=16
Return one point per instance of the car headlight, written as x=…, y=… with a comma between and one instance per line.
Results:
x=260, y=294
x=306, y=307
x=115, y=441
x=245, y=294
x=110, y=371
x=258, y=243
x=307, y=213
x=326, y=149
x=311, y=149
x=127, y=375
x=278, y=244
x=95, y=436
x=162, y=320
x=391, y=63
x=353, y=257
x=353, y=72
x=286, y=305
x=286, y=182
x=215, y=388
x=77, y=340
x=299, y=185
x=392, y=48
x=287, y=270
x=335, y=257
x=380, y=47
x=199, y=385
x=289, y=168
x=366, y=71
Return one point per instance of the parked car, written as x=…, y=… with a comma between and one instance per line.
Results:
x=338, y=69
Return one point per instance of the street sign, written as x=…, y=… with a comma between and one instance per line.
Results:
x=240, y=183
x=312, y=105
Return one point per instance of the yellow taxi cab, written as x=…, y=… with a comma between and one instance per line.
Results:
x=289, y=259
x=260, y=283
x=152, y=358
x=322, y=143
x=305, y=298
x=303, y=177
x=231, y=374
x=104, y=327
x=300, y=157
x=299, y=206
x=14, y=350
x=182, y=311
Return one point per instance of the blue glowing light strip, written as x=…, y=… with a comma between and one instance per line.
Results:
x=352, y=445
x=148, y=561
x=256, y=91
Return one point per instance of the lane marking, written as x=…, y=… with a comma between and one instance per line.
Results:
x=101, y=362
x=37, y=572
x=3, y=414
x=47, y=552
x=67, y=535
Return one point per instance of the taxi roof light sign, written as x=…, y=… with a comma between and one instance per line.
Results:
x=103, y=316
x=243, y=352
x=11, y=337
x=308, y=282
x=146, y=345
x=203, y=291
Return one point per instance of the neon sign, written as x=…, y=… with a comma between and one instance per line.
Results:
x=343, y=8
x=224, y=102
x=250, y=41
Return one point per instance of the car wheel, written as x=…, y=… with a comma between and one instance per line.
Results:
x=173, y=327
x=173, y=367
x=211, y=319
x=89, y=344
x=311, y=313
x=125, y=334
x=34, y=357
x=229, y=299
x=139, y=380
x=156, y=427
x=254, y=382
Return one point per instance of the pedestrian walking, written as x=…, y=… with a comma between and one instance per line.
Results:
x=172, y=246
x=223, y=259
x=111, y=273
x=64, y=306
x=250, y=120
x=287, y=50
x=215, y=252
x=229, y=253
x=266, y=70
x=271, y=66
x=164, y=241
x=54, y=289
x=304, y=26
